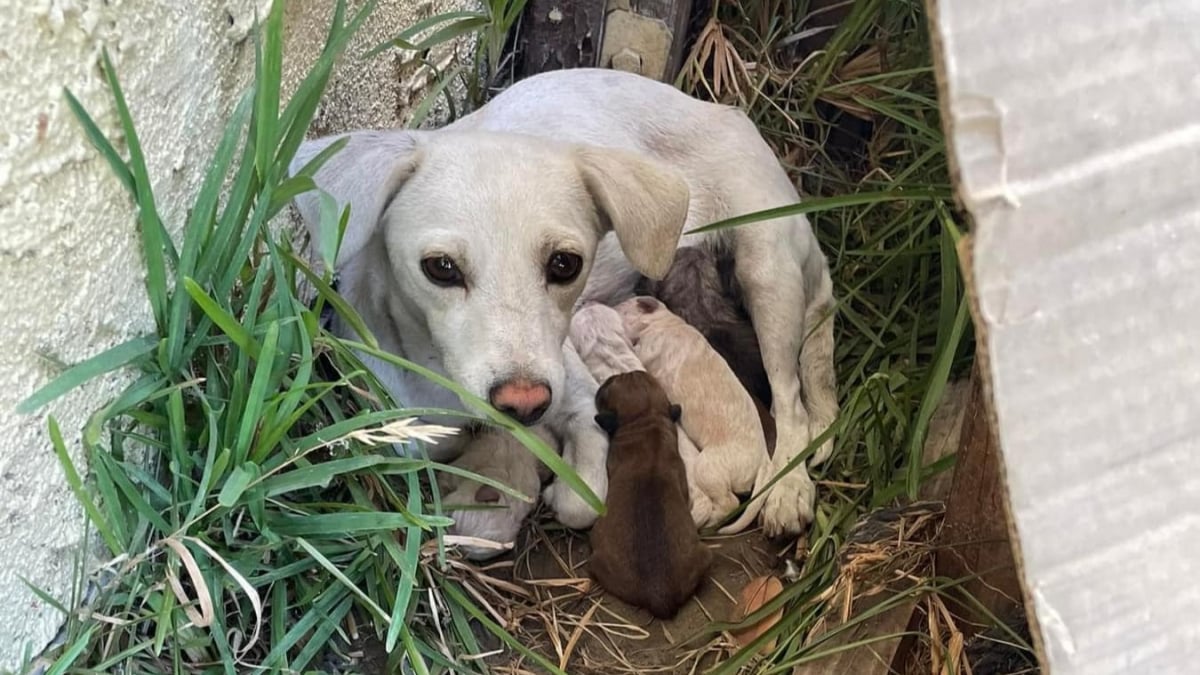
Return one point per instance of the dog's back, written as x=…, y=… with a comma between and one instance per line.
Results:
x=645, y=549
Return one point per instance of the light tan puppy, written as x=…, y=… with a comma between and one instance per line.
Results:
x=494, y=515
x=719, y=417
x=598, y=335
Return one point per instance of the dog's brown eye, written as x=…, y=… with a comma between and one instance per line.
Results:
x=442, y=271
x=563, y=267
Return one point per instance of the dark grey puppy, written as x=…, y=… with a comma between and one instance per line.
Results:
x=700, y=289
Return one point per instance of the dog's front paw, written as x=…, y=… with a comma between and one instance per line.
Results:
x=788, y=507
x=569, y=508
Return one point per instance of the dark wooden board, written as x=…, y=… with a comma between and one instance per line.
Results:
x=559, y=34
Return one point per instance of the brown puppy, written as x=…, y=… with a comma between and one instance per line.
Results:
x=698, y=291
x=645, y=550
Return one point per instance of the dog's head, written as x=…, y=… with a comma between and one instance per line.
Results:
x=487, y=239
x=629, y=396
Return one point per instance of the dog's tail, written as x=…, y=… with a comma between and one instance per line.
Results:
x=765, y=474
x=818, y=378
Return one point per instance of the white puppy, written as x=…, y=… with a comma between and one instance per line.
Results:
x=495, y=454
x=598, y=334
x=467, y=247
x=718, y=413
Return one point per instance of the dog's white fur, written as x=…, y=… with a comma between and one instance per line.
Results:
x=609, y=165
x=495, y=454
x=598, y=334
x=718, y=413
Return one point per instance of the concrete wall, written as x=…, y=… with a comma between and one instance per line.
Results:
x=70, y=270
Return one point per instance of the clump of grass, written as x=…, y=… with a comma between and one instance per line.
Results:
x=238, y=484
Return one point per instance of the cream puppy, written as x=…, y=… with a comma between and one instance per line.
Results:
x=495, y=454
x=719, y=415
x=598, y=335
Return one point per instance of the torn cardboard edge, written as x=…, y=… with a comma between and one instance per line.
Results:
x=965, y=251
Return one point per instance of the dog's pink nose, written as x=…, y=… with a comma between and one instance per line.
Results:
x=523, y=400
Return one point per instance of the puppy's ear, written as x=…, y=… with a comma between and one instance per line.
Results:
x=646, y=204
x=648, y=305
x=364, y=174
x=676, y=412
x=607, y=421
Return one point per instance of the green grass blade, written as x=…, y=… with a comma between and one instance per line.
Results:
x=100, y=142
x=460, y=23
x=408, y=571
x=105, y=362
x=817, y=204
x=298, y=113
x=224, y=320
x=63, y=663
x=342, y=578
x=257, y=396
x=339, y=525
x=421, y=111
x=938, y=377
x=287, y=191
x=343, y=308
x=322, y=474
x=76, y=484
x=156, y=245
x=269, y=75
x=236, y=484
x=314, y=165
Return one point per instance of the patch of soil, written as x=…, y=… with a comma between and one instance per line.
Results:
x=572, y=623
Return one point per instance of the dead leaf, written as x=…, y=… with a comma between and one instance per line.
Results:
x=756, y=593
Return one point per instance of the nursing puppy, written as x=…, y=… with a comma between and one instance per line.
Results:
x=696, y=291
x=495, y=454
x=598, y=335
x=645, y=550
x=721, y=418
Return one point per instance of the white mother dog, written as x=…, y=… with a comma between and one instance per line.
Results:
x=468, y=247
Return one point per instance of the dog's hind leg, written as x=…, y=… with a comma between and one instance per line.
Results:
x=817, y=373
x=768, y=263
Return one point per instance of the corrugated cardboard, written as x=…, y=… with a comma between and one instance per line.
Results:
x=1074, y=134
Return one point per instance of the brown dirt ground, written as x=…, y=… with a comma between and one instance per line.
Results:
x=584, y=631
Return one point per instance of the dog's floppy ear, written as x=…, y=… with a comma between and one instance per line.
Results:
x=607, y=421
x=365, y=174
x=645, y=204
x=676, y=412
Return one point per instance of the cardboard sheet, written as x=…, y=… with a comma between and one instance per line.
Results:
x=1074, y=134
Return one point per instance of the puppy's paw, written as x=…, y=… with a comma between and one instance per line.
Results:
x=496, y=527
x=723, y=504
x=788, y=507
x=569, y=508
